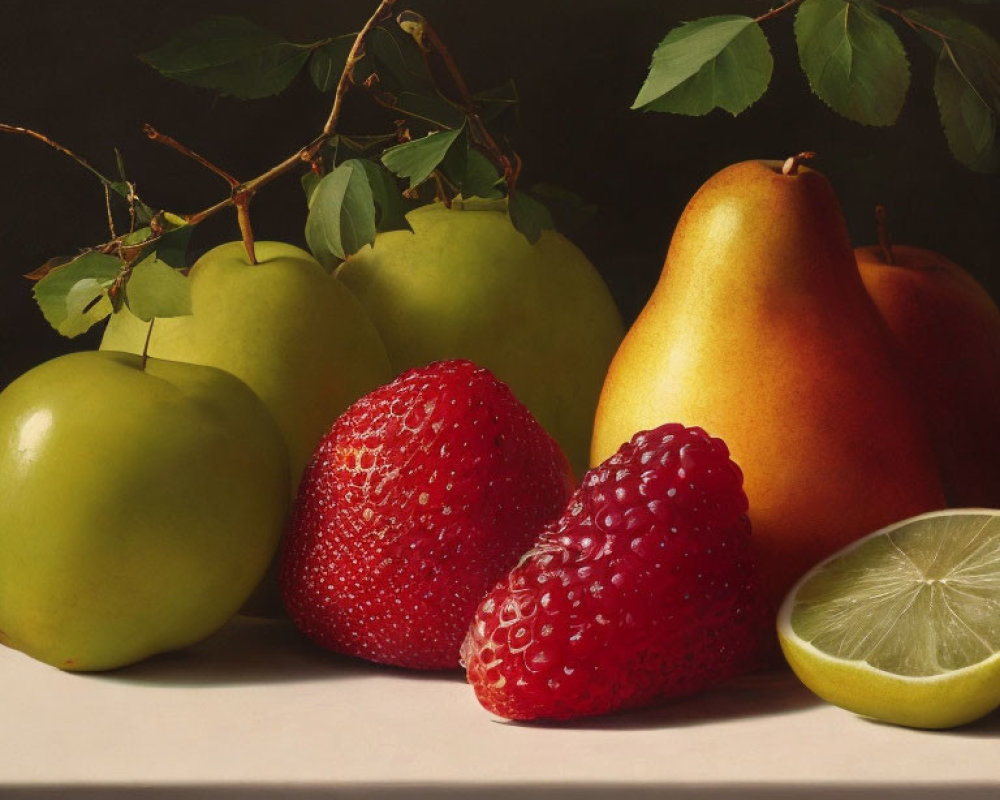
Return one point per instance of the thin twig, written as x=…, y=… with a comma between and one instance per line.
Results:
x=173, y=144
x=420, y=29
x=424, y=34
x=307, y=154
x=913, y=23
x=353, y=57
x=776, y=11
x=241, y=193
x=111, y=217
x=4, y=128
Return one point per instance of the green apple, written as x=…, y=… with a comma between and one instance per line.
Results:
x=140, y=504
x=466, y=284
x=285, y=326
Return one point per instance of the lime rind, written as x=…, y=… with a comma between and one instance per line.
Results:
x=904, y=624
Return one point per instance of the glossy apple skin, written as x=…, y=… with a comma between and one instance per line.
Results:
x=466, y=284
x=139, y=507
x=284, y=326
x=760, y=331
x=948, y=328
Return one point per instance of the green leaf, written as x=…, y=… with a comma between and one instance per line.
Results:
x=230, y=55
x=74, y=296
x=310, y=181
x=529, y=216
x=359, y=145
x=390, y=205
x=155, y=289
x=472, y=172
x=398, y=61
x=341, y=214
x=123, y=188
x=853, y=59
x=137, y=236
x=495, y=102
x=326, y=64
x=416, y=160
x=431, y=108
x=967, y=87
x=340, y=148
x=970, y=125
x=569, y=211
x=172, y=246
x=716, y=62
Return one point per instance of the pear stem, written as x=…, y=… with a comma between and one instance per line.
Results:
x=884, y=234
x=792, y=163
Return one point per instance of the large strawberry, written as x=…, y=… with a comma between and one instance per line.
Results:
x=423, y=494
x=643, y=589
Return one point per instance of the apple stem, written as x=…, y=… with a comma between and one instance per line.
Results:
x=884, y=234
x=145, y=344
x=792, y=163
x=242, y=202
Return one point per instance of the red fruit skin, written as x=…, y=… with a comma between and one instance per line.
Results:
x=948, y=330
x=423, y=494
x=644, y=589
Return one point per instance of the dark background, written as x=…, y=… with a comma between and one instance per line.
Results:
x=69, y=70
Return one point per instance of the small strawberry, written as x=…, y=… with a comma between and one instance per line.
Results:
x=423, y=494
x=642, y=590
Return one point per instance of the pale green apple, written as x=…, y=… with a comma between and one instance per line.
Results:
x=466, y=284
x=285, y=326
x=140, y=504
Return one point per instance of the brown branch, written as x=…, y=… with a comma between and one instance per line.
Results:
x=913, y=23
x=173, y=144
x=417, y=26
x=243, y=192
x=107, y=205
x=308, y=153
x=424, y=34
x=353, y=57
x=776, y=11
x=4, y=128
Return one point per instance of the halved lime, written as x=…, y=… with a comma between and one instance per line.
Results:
x=903, y=625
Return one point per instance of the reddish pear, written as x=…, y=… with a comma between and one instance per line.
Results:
x=948, y=329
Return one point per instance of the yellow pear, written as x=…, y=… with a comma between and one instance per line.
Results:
x=761, y=332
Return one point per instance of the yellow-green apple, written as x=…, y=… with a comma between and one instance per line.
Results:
x=285, y=326
x=140, y=504
x=466, y=284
